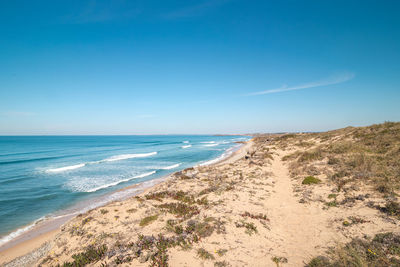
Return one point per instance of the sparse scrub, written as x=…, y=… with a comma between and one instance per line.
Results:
x=369, y=155
x=383, y=250
x=180, y=209
x=311, y=155
x=91, y=254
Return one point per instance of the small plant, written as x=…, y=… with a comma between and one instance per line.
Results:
x=103, y=211
x=391, y=208
x=178, y=229
x=203, y=201
x=131, y=210
x=332, y=195
x=204, y=254
x=279, y=260
x=250, y=227
x=259, y=216
x=86, y=220
x=311, y=180
x=147, y=220
x=331, y=203
x=221, y=252
x=77, y=230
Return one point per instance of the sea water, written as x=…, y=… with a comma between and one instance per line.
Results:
x=42, y=176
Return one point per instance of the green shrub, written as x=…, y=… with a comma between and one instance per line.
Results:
x=311, y=180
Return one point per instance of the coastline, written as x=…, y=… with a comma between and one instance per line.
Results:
x=47, y=229
x=255, y=208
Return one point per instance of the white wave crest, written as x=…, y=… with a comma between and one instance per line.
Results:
x=67, y=168
x=185, y=142
x=120, y=181
x=224, y=155
x=187, y=146
x=172, y=166
x=208, y=142
x=213, y=160
x=209, y=145
x=129, y=156
x=113, y=158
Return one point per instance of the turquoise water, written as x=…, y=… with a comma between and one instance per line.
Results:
x=44, y=175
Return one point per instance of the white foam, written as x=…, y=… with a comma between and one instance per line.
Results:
x=129, y=156
x=113, y=158
x=208, y=142
x=185, y=142
x=213, y=160
x=209, y=145
x=67, y=168
x=18, y=232
x=172, y=166
x=187, y=146
x=120, y=181
x=224, y=155
x=119, y=195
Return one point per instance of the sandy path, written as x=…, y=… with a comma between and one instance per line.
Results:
x=296, y=228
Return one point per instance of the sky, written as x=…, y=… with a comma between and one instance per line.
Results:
x=197, y=66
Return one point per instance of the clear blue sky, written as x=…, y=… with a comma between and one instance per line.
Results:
x=205, y=66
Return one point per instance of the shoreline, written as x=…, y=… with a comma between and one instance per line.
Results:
x=45, y=230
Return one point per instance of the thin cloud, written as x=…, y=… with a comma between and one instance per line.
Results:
x=325, y=82
x=195, y=10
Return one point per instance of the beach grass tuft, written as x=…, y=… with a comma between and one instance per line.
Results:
x=147, y=220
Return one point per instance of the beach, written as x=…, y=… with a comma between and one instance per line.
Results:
x=247, y=210
x=41, y=232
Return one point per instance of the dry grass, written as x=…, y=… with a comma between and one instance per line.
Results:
x=369, y=155
x=383, y=250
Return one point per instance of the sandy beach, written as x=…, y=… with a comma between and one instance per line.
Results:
x=45, y=231
x=255, y=208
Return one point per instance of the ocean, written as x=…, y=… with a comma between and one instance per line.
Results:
x=49, y=176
